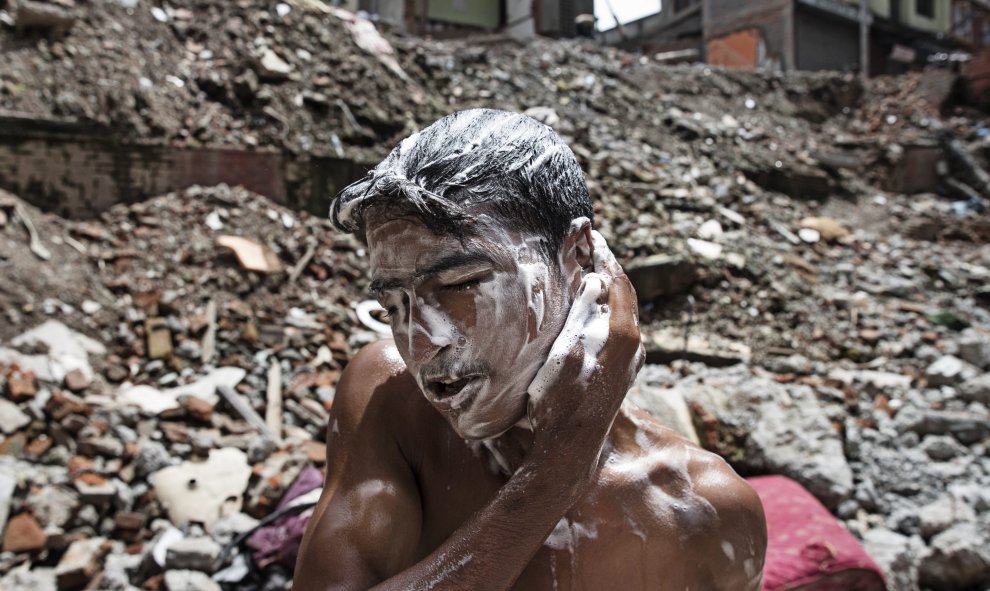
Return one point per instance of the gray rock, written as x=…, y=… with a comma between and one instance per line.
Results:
x=765, y=426
x=974, y=348
x=878, y=380
x=151, y=457
x=942, y=514
x=192, y=554
x=899, y=557
x=976, y=389
x=259, y=448
x=948, y=370
x=12, y=418
x=8, y=483
x=959, y=558
x=36, y=579
x=667, y=405
x=967, y=427
x=189, y=580
x=54, y=505
x=661, y=275
x=976, y=496
x=110, y=447
x=118, y=568
x=273, y=67
x=87, y=515
x=100, y=494
x=942, y=447
x=230, y=526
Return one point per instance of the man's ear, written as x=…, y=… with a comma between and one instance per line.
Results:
x=575, y=252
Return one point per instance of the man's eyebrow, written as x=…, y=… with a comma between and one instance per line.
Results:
x=451, y=261
x=379, y=286
x=454, y=260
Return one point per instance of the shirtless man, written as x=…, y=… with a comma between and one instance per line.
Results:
x=487, y=446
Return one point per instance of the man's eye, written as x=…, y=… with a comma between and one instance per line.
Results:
x=463, y=286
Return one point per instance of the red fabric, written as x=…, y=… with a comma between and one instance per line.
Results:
x=807, y=548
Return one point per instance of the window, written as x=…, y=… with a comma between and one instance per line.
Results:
x=925, y=8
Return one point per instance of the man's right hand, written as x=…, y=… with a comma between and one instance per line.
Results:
x=592, y=364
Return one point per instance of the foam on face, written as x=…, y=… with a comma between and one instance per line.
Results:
x=498, y=298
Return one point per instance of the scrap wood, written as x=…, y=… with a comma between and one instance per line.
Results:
x=306, y=258
x=209, y=346
x=244, y=409
x=37, y=247
x=273, y=408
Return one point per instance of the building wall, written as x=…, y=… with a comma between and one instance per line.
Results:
x=555, y=18
x=485, y=15
x=771, y=22
x=77, y=172
x=519, y=21
x=825, y=42
x=656, y=31
x=392, y=12
x=941, y=23
x=880, y=8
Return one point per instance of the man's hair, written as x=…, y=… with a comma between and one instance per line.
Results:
x=516, y=165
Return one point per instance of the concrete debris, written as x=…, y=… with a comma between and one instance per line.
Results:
x=661, y=275
x=12, y=419
x=976, y=389
x=667, y=405
x=767, y=427
x=948, y=371
x=80, y=562
x=202, y=492
x=192, y=554
x=898, y=555
x=828, y=229
x=189, y=580
x=35, y=579
x=959, y=558
x=943, y=513
x=273, y=67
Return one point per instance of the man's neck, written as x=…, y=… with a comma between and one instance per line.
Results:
x=507, y=451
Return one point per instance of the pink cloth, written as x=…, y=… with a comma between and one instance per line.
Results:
x=808, y=549
x=279, y=542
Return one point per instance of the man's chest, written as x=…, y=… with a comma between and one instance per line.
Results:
x=606, y=541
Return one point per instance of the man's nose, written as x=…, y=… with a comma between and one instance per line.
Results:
x=429, y=332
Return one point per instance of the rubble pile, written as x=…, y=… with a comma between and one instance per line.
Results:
x=222, y=322
x=296, y=75
x=821, y=316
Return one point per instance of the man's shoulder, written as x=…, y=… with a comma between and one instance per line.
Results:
x=679, y=492
x=376, y=363
x=376, y=381
x=680, y=467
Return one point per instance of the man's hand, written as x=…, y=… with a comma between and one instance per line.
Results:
x=578, y=391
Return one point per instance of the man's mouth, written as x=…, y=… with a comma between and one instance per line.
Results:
x=452, y=392
x=445, y=387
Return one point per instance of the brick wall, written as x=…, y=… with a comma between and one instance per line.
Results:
x=78, y=171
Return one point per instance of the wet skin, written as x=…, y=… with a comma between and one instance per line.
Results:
x=584, y=492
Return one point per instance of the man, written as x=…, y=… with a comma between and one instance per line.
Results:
x=487, y=446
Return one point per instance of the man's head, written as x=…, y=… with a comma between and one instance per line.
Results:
x=475, y=255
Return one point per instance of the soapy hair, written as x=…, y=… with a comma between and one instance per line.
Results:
x=512, y=163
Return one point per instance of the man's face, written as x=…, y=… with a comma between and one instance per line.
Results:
x=473, y=320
